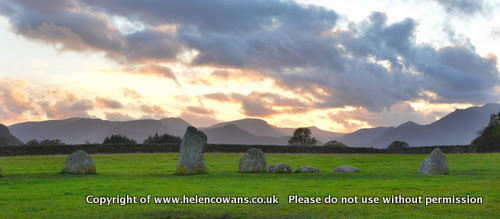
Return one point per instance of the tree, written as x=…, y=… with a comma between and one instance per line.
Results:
x=33, y=142
x=398, y=145
x=489, y=138
x=118, y=139
x=51, y=142
x=335, y=143
x=302, y=137
x=163, y=139
x=4, y=141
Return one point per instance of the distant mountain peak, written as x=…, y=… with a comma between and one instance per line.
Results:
x=257, y=127
x=492, y=105
x=408, y=124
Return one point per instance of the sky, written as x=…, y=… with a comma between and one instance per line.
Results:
x=338, y=65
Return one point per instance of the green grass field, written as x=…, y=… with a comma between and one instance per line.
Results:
x=32, y=186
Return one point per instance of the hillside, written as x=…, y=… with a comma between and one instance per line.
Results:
x=256, y=127
x=5, y=134
x=232, y=134
x=457, y=128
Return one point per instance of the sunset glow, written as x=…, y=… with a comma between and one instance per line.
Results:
x=329, y=64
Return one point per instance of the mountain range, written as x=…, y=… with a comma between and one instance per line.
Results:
x=458, y=127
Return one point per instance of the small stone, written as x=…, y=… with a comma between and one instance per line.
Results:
x=79, y=162
x=279, y=168
x=307, y=169
x=435, y=164
x=191, y=159
x=346, y=169
x=253, y=161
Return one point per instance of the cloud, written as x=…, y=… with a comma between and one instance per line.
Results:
x=116, y=116
x=73, y=25
x=373, y=64
x=465, y=7
x=153, y=112
x=262, y=104
x=219, y=96
x=108, y=103
x=199, y=110
x=199, y=120
x=67, y=105
x=397, y=114
x=131, y=93
x=153, y=69
x=199, y=116
x=15, y=101
x=495, y=32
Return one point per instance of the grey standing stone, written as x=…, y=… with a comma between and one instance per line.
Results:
x=346, y=169
x=435, y=163
x=279, y=168
x=191, y=159
x=253, y=161
x=79, y=162
x=307, y=169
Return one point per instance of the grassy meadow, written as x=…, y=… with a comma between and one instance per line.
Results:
x=33, y=187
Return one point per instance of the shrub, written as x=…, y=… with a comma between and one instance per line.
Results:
x=398, y=145
x=33, y=142
x=51, y=142
x=335, y=143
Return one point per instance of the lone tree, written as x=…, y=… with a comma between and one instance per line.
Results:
x=335, y=143
x=398, y=145
x=489, y=138
x=118, y=139
x=302, y=137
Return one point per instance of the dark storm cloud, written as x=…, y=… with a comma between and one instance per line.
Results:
x=233, y=17
x=71, y=25
x=456, y=73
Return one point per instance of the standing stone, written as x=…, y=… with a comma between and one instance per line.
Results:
x=435, y=163
x=307, y=169
x=279, y=168
x=346, y=169
x=79, y=162
x=253, y=161
x=191, y=159
x=0, y=171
